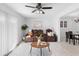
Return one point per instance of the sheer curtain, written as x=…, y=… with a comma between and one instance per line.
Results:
x=8, y=32
x=12, y=32
x=1, y=36
x=3, y=33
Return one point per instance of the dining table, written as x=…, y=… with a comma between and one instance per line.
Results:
x=34, y=45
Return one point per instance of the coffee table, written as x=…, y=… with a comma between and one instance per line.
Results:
x=34, y=45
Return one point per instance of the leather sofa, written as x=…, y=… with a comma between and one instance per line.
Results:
x=44, y=35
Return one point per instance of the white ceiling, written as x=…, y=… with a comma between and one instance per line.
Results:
x=71, y=9
x=25, y=11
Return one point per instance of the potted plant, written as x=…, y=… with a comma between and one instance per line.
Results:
x=24, y=27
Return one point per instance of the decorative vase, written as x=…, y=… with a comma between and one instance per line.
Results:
x=38, y=42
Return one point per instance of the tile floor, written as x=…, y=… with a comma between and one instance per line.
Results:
x=57, y=49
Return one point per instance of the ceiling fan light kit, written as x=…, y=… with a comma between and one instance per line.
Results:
x=38, y=8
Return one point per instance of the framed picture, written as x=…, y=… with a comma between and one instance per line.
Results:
x=37, y=24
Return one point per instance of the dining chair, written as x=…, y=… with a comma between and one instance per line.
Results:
x=76, y=37
x=70, y=36
x=67, y=36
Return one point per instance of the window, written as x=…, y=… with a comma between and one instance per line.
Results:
x=63, y=24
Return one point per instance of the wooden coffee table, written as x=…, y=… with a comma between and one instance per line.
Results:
x=34, y=45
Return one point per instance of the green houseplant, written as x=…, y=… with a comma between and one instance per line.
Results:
x=24, y=27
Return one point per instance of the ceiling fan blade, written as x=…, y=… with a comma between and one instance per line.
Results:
x=34, y=10
x=30, y=6
x=46, y=7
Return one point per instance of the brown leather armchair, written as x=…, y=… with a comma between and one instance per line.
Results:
x=51, y=38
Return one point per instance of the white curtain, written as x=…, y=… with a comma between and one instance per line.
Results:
x=8, y=32
x=3, y=33
x=0, y=37
x=12, y=32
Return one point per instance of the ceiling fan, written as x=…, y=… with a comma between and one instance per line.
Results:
x=39, y=8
